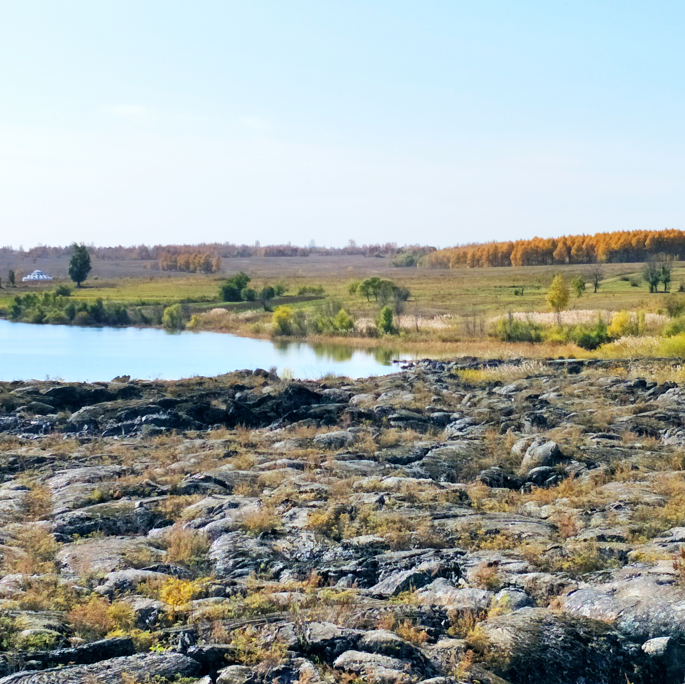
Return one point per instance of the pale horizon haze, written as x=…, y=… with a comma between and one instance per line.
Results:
x=441, y=122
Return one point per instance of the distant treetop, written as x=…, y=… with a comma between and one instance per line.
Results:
x=618, y=247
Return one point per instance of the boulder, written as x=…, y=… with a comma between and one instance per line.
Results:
x=398, y=582
x=338, y=439
x=523, y=645
x=496, y=477
x=537, y=454
x=144, y=665
x=235, y=674
x=373, y=667
x=327, y=641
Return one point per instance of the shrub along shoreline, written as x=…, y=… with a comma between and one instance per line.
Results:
x=583, y=334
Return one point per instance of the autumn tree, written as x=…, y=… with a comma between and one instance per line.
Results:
x=557, y=295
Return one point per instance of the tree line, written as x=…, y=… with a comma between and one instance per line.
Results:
x=616, y=247
x=190, y=262
x=406, y=255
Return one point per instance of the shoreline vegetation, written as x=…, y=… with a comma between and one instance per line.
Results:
x=385, y=298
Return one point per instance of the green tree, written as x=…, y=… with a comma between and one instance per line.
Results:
x=652, y=275
x=596, y=277
x=172, y=318
x=266, y=294
x=385, y=321
x=370, y=287
x=12, y=278
x=578, y=285
x=79, y=264
x=231, y=289
x=665, y=275
x=557, y=295
x=400, y=295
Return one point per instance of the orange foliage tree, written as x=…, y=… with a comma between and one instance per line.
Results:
x=617, y=247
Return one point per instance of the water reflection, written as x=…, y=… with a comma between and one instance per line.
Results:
x=91, y=354
x=338, y=352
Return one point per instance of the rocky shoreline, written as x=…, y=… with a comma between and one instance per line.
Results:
x=464, y=521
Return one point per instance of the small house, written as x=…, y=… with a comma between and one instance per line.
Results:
x=36, y=275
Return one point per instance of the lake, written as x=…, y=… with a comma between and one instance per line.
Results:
x=74, y=354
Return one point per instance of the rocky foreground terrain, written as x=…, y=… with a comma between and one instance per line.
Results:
x=464, y=522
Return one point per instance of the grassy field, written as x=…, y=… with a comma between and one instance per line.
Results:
x=463, y=292
x=471, y=296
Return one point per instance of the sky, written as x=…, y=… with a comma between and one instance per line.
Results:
x=435, y=122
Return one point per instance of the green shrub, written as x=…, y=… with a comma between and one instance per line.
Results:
x=675, y=306
x=675, y=327
x=229, y=293
x=249, y=294
x=173, y=318
x=82, y=318
x=311, y=289
x=510, y=329
x=63, y=291
x=8, y=632
x=404, y=260
x=231, y=289
x=589, y=336
x=385, y=321
x=343, y=321
x=57, y=317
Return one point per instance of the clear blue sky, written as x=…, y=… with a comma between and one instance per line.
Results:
x=437, y=122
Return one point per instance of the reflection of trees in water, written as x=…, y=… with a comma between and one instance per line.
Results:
x=283, y=345
x=336, y=352
x=333, y=352
x=384, y=356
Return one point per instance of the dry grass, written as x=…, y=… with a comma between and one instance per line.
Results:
x=38, y=502
x=34, y=554
x=405, y=629
x=504, y=373
x=264, y=520
x=186, y=546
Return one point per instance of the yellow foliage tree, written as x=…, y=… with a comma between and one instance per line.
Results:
x=557, y=295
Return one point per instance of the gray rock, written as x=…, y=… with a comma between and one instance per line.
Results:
x=399, y=582
x=546, y=454
x=387, y=643
x=524, y=644
x=327, y=641
x=374, y=667
x=235, y=674
x=496, y=477
x=111, y=671
x=338, y=439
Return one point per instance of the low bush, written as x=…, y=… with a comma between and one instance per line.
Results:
x=173, y=318
x=674, y=327
x=53, y=307
x=510, y=329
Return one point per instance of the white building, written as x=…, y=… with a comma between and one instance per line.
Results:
x=36, y=275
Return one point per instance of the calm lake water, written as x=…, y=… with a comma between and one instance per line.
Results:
x=36, y=352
